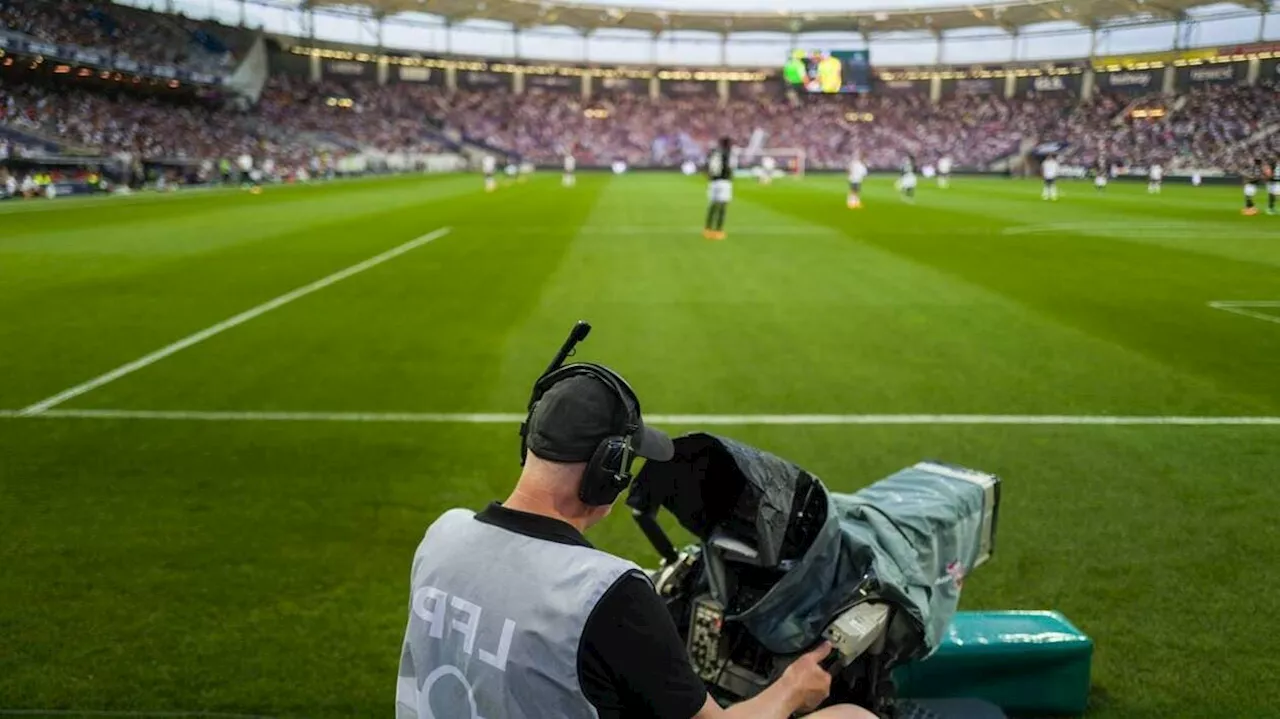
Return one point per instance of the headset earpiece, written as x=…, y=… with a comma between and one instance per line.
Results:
x=608, y=472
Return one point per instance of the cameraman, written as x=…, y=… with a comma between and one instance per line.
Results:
x=514, y=615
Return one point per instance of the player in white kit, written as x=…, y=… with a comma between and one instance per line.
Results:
x=857, y=174
x=570, y=165
x=907, y=182
x=1049, y=171
x=244, y=163
x=1155, y=176
x=489, y=166
x=767, y=167
x=944, y=172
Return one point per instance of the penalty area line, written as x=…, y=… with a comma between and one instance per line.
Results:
x=204, y=334
x=661, y=419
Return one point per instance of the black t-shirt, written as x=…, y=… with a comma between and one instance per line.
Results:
x=631, y=660
x=719, y=165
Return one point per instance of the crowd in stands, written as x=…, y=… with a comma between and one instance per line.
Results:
x=294, y=117
x=390, y=119
x=1211, y=125
x=543, y=125
x=290, y=124
x=118, y=30
x=1208, y=127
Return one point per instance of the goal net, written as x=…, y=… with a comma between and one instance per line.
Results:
x=773, y=161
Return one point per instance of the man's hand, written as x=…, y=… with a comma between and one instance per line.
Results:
x=802, y=687
x=808, y=680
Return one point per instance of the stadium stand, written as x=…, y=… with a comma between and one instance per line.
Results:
x=127, y=32
x=301, y=115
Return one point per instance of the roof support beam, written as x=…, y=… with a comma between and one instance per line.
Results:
x=1183, y=26
x=962, y=14
x=1161, y=9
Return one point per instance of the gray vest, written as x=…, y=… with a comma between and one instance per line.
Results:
x=495, y=620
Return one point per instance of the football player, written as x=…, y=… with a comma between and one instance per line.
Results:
x=1252, y=177
x=944, y=172
x=857, y=174
x=1049, y=171
x=907, y=182
x=719, y=189
x=1272, y=172
x=767, y=167
x=489, y=166
x=570, y=165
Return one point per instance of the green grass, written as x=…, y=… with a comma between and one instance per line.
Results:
x=262, y=567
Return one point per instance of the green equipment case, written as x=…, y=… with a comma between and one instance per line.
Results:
x=1029, y=663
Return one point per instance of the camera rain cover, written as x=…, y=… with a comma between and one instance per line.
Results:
x=908, y=540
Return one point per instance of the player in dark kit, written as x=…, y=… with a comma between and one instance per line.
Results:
x=720, y=191
x=1273, y=184
x=1252, y=178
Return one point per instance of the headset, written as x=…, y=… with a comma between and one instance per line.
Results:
x=608, y=471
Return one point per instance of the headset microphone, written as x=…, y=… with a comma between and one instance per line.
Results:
x=576, y=335
x=579, y=332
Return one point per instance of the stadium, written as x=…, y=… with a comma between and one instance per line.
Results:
x=276, y=279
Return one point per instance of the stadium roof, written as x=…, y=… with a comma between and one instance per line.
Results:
x=921, y=15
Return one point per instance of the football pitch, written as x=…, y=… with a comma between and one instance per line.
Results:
x=227, y=419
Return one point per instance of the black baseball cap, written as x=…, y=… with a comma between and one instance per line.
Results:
x=577, y=413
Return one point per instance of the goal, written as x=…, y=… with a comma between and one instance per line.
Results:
x=788, y=161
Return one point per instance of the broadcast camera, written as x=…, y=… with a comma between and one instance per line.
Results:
x=783, y=563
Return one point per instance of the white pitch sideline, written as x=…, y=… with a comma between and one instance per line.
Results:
x=665, y=419
x=194, y=714
x=1246, y=308
x=204, y=334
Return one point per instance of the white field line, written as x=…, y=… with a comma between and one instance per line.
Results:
x=20, y=207
x=663, y=419
x=202, y=335
x=1242, y=307
x=745, y=230
x=125, y=713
